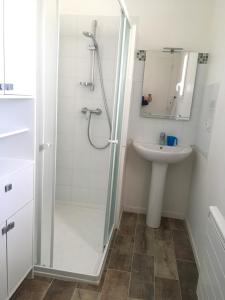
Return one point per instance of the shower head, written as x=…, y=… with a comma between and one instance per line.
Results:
x=88, y=34
x=91, y=36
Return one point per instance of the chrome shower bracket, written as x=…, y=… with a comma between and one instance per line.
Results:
x=87, y=84
x=92, y=70
x=92, y=48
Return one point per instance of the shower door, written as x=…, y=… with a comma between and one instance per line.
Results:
x=117, y=128
x=46, y=120
x=85, y=124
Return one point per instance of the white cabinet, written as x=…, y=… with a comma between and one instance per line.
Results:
x=16, y=219
x=19, y=246
x=3, y=263
x=18, y=37
x=16, y=190
x=17, y=141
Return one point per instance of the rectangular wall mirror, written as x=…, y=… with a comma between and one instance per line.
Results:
x=168, y=83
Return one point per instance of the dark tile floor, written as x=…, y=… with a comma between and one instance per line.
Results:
x=143, y=263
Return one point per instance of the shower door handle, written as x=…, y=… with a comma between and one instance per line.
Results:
x=44, y=146
x=113, y=141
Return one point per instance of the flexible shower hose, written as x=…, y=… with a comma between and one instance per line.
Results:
x=105, y=105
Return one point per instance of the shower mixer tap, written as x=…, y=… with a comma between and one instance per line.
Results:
x=96, y=111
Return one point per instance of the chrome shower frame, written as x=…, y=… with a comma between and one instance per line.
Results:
x=92, y=48
x=41, y=268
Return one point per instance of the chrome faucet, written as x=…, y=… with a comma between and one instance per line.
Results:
x=162, y=138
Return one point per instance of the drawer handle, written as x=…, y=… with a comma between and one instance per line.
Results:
x=4, y=230
x=8, y=187
x=10, y=226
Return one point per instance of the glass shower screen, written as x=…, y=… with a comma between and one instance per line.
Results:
x=83, y=121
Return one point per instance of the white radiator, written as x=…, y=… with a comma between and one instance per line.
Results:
x=211, y=284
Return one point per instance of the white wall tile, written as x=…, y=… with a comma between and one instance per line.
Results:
x=64, y=176
x=65, y=142
x=65, y=159
x=63, y=193
x=67, y=85
x=80, y=195
x=82, y=171
x=68, y=25
x=67, y=47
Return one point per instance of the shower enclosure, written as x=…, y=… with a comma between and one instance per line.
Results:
x=80, y=135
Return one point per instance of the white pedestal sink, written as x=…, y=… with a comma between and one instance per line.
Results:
x=160, y=156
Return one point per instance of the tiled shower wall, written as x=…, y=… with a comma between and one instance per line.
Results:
x=82, y=171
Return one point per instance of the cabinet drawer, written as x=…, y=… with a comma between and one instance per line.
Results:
x=19, y=246
x=15, y=191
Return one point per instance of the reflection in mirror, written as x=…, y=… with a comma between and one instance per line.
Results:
x=168, y=83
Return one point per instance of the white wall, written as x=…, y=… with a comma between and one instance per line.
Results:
x=90, y=7
x=82, y=171
x=209, y=172
x=160, y=24
x=174, y=23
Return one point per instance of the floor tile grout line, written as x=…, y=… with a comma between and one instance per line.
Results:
x=186, y=260
x=107, y=269
x=179, y=283
x=20, y=288
x=75, y=289
x=113, y=238
x=47, y=289
x=132, y=256
x=175, y=255
x=187, y=247
x=109, y=258
x=122, y=271
x=154, y=263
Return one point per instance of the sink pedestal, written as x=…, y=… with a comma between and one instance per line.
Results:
x=157, y=185
x=160, y=156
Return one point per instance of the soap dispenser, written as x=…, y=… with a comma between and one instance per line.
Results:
x=162, y=138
